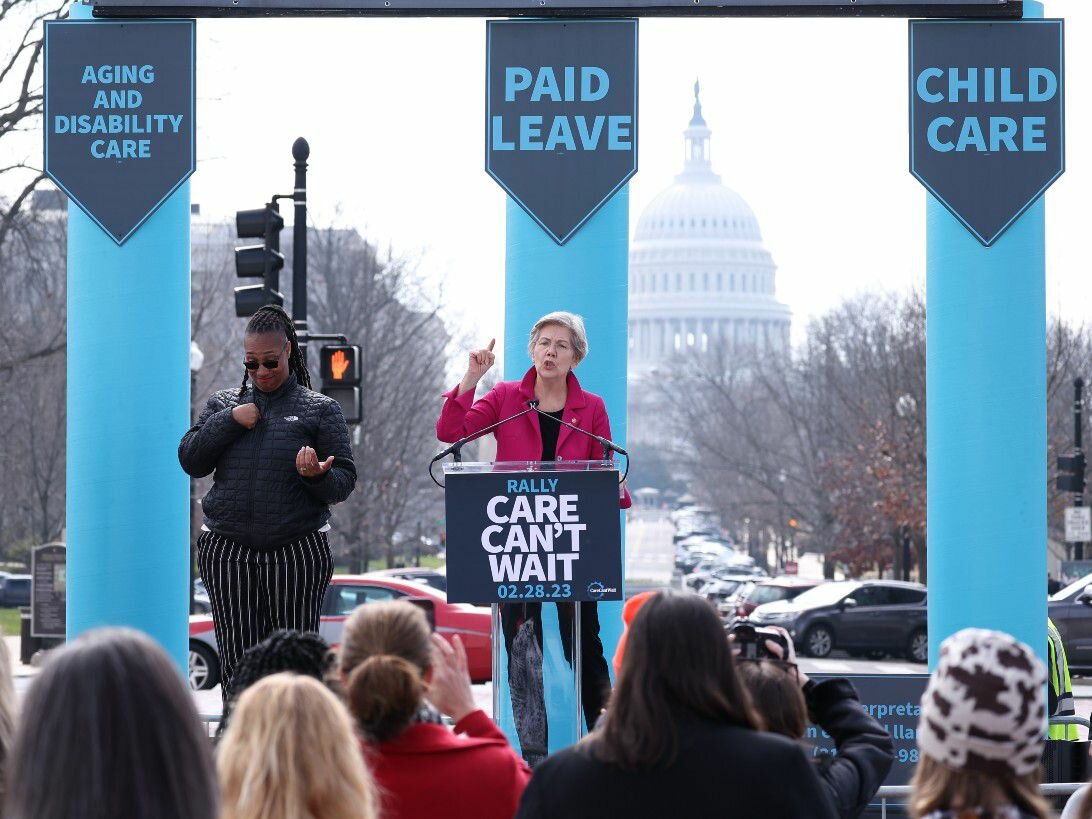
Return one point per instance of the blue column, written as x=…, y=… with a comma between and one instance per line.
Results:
x=986, y=426
x=588, y=275
x=128, y=406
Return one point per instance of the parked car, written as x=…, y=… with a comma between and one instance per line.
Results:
x=1071, y=611
x=774, y=589
x=201, y=602
x=721, y=593
x=15, y=590
x=696, y=582
x=472, y=623
x=429, y=577
x=865, y=618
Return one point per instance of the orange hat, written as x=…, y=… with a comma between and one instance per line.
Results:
x=629, y=611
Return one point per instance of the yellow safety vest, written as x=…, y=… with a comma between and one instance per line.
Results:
x=1061, y=686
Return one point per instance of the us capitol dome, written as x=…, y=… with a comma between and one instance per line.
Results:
x=699, y=275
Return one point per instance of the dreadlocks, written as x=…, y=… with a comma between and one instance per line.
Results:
x=303, y=653
x=271, y=318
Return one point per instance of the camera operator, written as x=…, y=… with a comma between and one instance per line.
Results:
x=786, y=698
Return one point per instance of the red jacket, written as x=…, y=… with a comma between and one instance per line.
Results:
x=430, y=772
x=521, y=440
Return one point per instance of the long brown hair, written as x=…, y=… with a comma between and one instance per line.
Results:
x=677, y=657
x=290, y=753
x=938, y=787
x=386, y=651
x=108, y=728
x=775, y=692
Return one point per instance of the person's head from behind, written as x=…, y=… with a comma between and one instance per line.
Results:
x=983, y=720
x=109, y=729
x=776, y=694
x=290, y=753
x=677, y=657
x=386, y=662
x=299, y=652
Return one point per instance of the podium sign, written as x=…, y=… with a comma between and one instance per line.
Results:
x=533, y=536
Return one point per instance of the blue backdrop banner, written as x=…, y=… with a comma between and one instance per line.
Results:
x=987, y=124
x=119, y=116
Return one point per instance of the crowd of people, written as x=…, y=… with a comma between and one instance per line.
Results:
x=387, y=728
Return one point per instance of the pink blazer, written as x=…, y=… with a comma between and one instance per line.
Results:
x=521, y=440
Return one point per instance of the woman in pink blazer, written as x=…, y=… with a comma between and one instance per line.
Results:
x=557, y=345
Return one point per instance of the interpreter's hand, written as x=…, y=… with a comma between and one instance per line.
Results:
x=450, y=690
x=479, y=364
x=308, y=464
x=247, y=415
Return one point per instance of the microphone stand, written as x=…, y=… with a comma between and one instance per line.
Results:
x=608, y=445
x=455, y=449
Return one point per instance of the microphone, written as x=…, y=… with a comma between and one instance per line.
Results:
x=458, y=445
x=608, y=445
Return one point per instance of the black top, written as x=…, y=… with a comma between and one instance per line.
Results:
x=257, y=496
x=550, y=428
x=720, y=771
x=864, y=748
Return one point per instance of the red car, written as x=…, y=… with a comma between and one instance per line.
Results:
x=346, y=592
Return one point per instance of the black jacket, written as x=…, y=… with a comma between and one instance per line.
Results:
x=720, y=770
x=257, y=496
x=864, y=748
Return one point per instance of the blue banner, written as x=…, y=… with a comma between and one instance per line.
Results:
x=987, y=124
x=561, y=115
x=119, y=128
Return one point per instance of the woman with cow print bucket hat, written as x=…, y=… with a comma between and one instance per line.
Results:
x=983, y=724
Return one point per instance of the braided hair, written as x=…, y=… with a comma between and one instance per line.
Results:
x=272, y=318
x=304, y=653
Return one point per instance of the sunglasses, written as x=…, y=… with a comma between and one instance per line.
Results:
x=269, y=365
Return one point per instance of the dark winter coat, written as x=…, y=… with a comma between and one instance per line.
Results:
x=257, y=496
x=720, y=770
x=865, y=750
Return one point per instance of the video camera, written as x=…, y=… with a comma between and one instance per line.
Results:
x=751, y=641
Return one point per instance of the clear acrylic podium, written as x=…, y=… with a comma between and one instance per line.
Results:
x=538, y=631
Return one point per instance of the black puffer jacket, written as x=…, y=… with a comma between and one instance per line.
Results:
x=257, y=496
x=864, y=748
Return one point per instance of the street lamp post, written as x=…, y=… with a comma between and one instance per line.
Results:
x=197, y=360
x=906, y=407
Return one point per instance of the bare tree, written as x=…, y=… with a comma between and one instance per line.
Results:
x=21, y=99
x=381, y=305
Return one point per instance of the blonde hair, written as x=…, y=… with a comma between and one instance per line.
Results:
x=386, y=649
x=571, y=322
x=938, y=787
x=290, y=753
x=7, y=708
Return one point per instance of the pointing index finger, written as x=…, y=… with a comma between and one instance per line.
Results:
x=492, y=341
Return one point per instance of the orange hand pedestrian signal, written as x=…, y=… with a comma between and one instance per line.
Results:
x=339, y=366
x=339, y=363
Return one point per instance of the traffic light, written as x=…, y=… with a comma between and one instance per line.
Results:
x=339, y=366
x=264, y=260
x=1071, y=473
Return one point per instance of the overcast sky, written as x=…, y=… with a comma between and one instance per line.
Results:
x=808, y=119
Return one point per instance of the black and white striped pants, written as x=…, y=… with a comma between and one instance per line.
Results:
x=254, y=592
